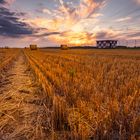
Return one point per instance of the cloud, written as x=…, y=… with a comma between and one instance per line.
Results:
x=137, y=1
x=85, y=9
x=88, y=7
x=10, y=1
x=78, y=22
x=66, y=23
x=95, y=15
x=124, y=19
x=69, y=21
x=137, y=34
x=46, y=11
x=106, y=34
x=46, y=34
x=10, y=24
x=2, y=1
x=6, y=3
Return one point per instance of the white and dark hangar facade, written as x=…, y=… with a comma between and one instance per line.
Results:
x=107, y=44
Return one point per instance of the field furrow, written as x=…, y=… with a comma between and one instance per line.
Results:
x=85, y=93
x=23, y=110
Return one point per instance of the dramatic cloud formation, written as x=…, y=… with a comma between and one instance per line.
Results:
x=2, y=2
x=69, y=21
x=74, y=22
x=10, y=24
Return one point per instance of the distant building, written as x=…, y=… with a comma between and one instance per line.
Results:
x=106, y=44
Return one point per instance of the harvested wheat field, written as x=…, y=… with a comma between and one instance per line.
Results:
x=52, y=94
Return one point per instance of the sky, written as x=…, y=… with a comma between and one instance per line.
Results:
x=71, y=22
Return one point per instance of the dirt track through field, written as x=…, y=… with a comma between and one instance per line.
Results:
x=23, y=113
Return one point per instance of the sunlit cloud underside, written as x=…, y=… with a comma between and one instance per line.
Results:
x=72, y=22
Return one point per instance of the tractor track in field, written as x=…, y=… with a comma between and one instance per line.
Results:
x=23, y=111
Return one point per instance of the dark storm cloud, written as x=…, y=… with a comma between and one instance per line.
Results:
x=2, y=2
x=10, y=24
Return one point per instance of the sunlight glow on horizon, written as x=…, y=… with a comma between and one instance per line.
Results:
x=80, y=22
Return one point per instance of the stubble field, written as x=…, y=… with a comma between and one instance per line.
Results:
x=70, y=94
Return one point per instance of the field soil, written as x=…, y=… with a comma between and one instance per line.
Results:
x=23, y=114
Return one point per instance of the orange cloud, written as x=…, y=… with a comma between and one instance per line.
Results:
x=74, y=38
x=138, y=1
x=70, y=21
